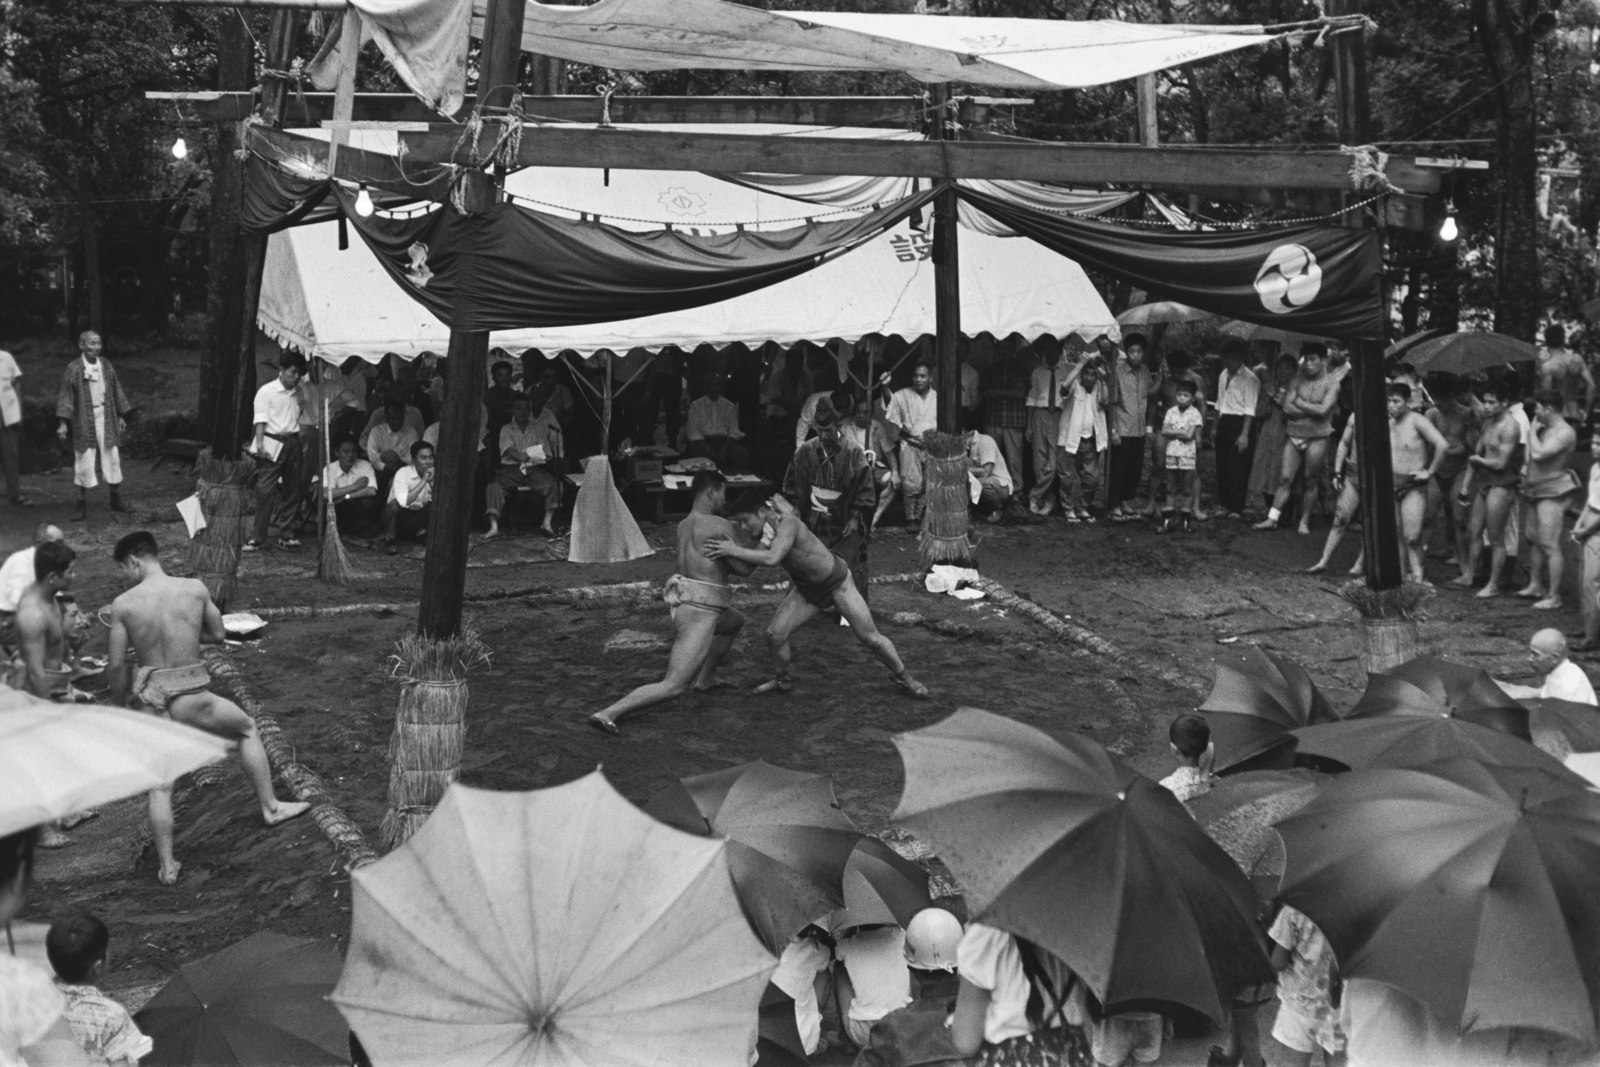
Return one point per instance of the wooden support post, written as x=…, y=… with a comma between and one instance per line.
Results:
x=1149, y=129
x=444, y=569
x=1380, y=533
x=946, y=283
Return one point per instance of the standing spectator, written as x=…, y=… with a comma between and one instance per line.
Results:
x=1266, y=468
x=1179, y=368
x=868, y=431
x=351, y=484
x=1307, y=1019
x=1005, y=392
x=988, y=466
x=806, y=424
x=1490, y=486
x=1455, y=416
x=971, y=396
x=1133, y=385
x=1238, y=394
x=1308, y=406
x=783, y=394
x=498, y=397
x=276, y=446
x=1583, y=532
x=1083, y=438
x=389, y=442
x=530, y=454
x=77, y=949
x=831, y=485
x=1562, y=369
x=914, y=411
x=664, y=394
x=1180, y=429
x=10, y=423
x=714, y=432
x=547, y=382
x=410, y=498
x=1548, y=487
x=93, y=408
x=1044, y=425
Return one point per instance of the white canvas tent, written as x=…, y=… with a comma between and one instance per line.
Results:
x=337, y=304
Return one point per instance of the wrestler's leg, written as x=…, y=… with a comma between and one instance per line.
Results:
x=859, y=616
x=1413, y=514
x=790, y=616
x=223, y=718
x=1498, y=503
x=1316, y=452
x=729, y=623
x=1344, y=511
x=696, y=633
x=1290, y=467
x=1535, y=589
x=167, y=867
x=1477, y=519
x=1550, y=516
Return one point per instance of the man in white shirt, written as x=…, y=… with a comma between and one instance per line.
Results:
x=1238, y=390
x=714, y=432
x=1563, y=679
x=410, y=498
x=276, y=446
x=93, y=409
x=988, y=467
x=915, y=411
x=16, y=574
x=10, y=426
x=352, y=486
x=528, y=445
x=389, y=442
x=1044, y=424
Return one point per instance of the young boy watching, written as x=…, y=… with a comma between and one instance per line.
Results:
x=77, y=947
x=1180, y=428
x=1307, y=1018
x=1190, y=736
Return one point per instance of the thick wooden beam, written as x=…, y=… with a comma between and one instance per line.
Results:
x=1170, y=167
x=311, y=109
x=946, y=280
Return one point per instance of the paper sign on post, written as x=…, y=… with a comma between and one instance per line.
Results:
x=193, y=517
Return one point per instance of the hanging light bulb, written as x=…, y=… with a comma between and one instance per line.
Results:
x=180, y=150
x=363, y=202
x=1448, y=230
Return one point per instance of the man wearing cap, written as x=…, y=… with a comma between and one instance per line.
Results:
x=918, y=1032
x=1563, y=679
x=831, y=483
x=276, y=446
x=93, y=409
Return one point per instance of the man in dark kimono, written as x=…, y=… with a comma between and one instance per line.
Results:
x=831, y=484
x=92, y=411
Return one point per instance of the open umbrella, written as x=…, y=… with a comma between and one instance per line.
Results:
x=1448, y=687
x=1585, y=765
x=1059, y=843
x=778, y=1042
x=1163, y=312
x=880, y=887
x=261, y=1002
x=1256, y=699
x=1468, y=887
x=1238, y=813
x=1564, y=726
x=1466, y=354
x=788, y=842
x=56, y=759
x=1411, y=739
x=1250, y=331
x=554, y=927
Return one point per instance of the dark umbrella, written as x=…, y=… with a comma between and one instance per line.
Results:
x=1238, y=813
x=1562, y=727
x=1466, y=354
x=778, y=1042
x=1470, y=888
x=262, y=1002
x=880, y=887
x=1432, y=686
x=788, y=842
x=1061, y=844
x=1412, y=739
x=1256, y=699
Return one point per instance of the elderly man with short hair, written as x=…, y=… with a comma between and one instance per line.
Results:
x=1563, y=679
x=93, y=410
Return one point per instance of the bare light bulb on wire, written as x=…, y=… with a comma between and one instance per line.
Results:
x=180, y=150
x=1448, y=230
x=363, y=203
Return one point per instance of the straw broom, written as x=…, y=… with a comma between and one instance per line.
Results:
x=333, y=565
x=946, y=521
x=225, y=491
x=430, y=727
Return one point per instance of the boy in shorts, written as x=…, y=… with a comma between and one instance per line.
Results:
x=1307, y=1019
x=77, y=948
x=1180, y=429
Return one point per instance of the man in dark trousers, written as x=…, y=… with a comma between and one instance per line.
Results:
x=830, y=482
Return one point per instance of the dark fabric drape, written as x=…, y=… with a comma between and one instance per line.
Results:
x=511, y=268
x=273, y=199
x=1321, y=280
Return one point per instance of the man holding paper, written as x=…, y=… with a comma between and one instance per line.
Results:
x=529, y=450
x=276, y=446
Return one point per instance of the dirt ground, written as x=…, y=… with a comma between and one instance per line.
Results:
x=1160, y=606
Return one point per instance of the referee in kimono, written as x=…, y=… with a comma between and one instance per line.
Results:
x=830, y=481
x=93, y=408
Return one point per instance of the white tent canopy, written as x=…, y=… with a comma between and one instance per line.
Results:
x=335, y=305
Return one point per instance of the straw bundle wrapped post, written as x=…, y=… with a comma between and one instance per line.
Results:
x=946, y=521
x=430, y=727
x=224, y=489
x=1389, y=618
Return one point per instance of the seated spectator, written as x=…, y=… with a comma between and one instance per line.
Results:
x=352, y=485
x=714, y=432
x=545, y=381
x=530, y=458
x=16, y=574
x=988, y=466
x=802, y=967
x=918, y=1033
x=389, y=442
x=497, y=398
x=413, y=415
x=876, y=980
x=76, y=947
x=410, y=498
x=1192, y=748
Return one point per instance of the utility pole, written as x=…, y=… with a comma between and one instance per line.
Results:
x=946, y=280
x=1380, y=533
x=444, y=569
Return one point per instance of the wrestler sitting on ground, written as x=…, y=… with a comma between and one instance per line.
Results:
x=701, y=602
x=165, y=619
x=821, y=580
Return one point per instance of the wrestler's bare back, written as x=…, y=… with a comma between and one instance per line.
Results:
x=693, y=532
x=166, y=618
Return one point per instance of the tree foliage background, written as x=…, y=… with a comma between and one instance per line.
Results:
x=88, y=181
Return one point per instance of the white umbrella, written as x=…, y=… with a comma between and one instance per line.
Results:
x=558, y=927
x=56, y=759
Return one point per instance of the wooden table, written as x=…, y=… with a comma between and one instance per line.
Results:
x=657, y=493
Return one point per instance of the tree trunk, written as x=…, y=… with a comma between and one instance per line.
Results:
x=219, y=368
x=89, y=236
x=1503, y=33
